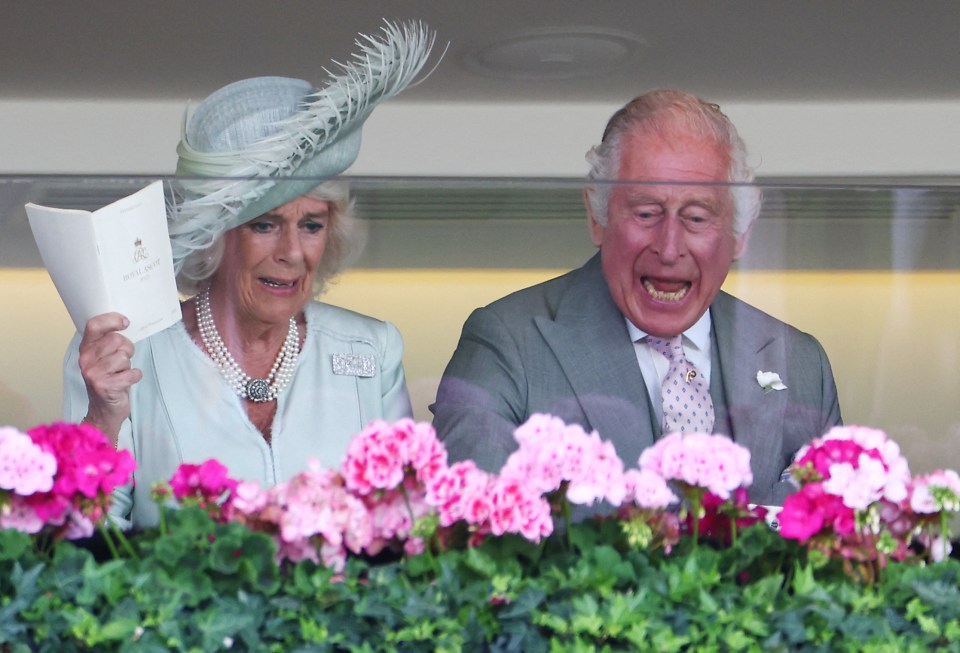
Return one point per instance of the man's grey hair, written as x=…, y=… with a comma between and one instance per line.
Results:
x=346, y=237
x=669, y=113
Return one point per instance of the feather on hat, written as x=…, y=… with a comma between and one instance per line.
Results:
x=258, y=143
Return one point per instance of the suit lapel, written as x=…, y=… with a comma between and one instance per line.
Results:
x=744, y=347
x=589, y=339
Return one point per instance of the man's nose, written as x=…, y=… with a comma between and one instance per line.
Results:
x=669, y=243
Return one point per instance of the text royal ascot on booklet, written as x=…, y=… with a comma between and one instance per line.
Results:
x=116, y=258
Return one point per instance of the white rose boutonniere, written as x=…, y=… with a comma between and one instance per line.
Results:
x=770, y=381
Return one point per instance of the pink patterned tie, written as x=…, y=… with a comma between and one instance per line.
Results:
x=687, y=406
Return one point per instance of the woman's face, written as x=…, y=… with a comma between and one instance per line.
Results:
x=269, y=263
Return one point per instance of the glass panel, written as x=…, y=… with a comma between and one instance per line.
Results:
x=867, y=266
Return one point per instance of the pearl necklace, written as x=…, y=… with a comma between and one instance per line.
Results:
x=246, y=387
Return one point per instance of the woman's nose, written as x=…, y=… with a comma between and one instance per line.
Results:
x=290, y=249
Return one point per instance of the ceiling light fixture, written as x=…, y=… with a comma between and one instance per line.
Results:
x=554, y=53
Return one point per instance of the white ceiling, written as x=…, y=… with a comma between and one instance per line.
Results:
x=735, y=50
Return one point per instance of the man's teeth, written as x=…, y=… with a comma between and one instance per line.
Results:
x=664, y=296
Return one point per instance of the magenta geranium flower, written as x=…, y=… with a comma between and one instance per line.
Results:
x=62, y=481
x=860, y=465
x=807, y=512
x=209, y=481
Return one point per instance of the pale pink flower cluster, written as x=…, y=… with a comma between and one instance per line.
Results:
x=648, y=490
x=936, y=492
x=395, y=514
x=25, y=468
x=858, y=484
x=932, y=497
x=311, y=517
x=552, y=453
x=374, y=501
x=19, y=515
x=714, y=462
x=939, y=547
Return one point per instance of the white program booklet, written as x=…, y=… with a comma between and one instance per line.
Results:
x=116, y=258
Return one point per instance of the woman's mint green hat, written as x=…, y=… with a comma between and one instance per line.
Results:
x=246, y=136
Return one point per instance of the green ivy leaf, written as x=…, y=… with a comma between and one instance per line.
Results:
x=15, y=546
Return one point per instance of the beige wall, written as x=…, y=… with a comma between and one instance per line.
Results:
x=870, y=323
x=511, y=140
x=892, y=338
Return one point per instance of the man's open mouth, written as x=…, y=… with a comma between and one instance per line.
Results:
x=672, y=291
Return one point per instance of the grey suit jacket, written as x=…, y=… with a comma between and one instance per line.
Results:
x=562, y=348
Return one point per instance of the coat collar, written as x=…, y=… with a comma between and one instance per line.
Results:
x=589, y=338
x=745, y=345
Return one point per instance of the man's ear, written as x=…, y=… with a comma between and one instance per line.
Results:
x=741, y=245
x=596, y=229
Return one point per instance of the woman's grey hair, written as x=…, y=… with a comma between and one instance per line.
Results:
x=346, y=237
x=668, y=113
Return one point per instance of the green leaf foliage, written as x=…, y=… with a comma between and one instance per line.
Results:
x=203, y=586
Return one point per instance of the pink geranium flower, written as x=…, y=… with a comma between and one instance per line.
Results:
x=713, y=462
x=62, y=481
x=935, y=492
x=380, y=456
x=21, y=516
x=459, y=492
x=552, y=454
x=394, y=515
x=518, y=508
x=312, y=516
x=648, y=490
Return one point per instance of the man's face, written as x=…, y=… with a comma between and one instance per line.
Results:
x=667, y=248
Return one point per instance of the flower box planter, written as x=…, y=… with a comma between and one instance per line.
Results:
x=408, y=564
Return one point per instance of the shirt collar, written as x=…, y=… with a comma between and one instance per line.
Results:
x=698, y=334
